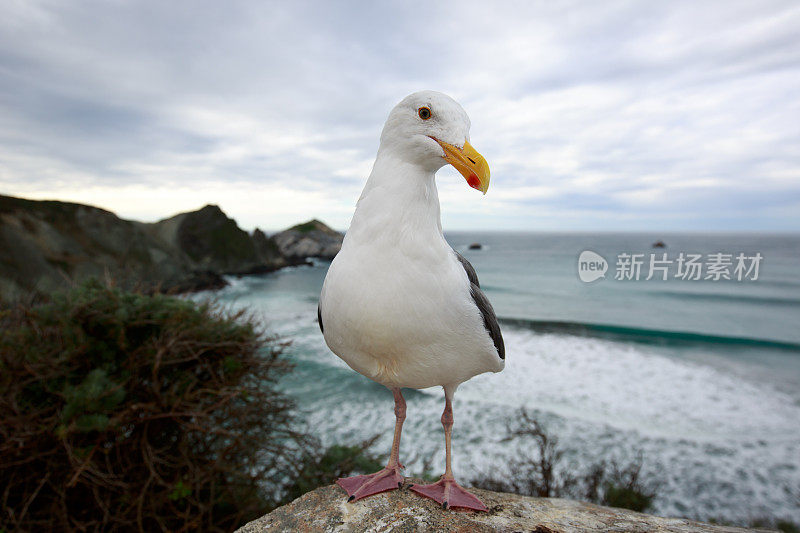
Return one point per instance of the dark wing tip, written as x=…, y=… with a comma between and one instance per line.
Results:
x=470, y=270
x=489, y=319
x=319, y=319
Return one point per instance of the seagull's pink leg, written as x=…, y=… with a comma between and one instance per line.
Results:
x=389, y=478
x=446, y=491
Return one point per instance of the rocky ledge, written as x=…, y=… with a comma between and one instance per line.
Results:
x=326, y=509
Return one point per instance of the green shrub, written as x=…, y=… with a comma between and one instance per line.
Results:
x=544, y=473
x=627, y=498
x=787, y=526
x=315, y=469
x=139, y=412
x=624, y=488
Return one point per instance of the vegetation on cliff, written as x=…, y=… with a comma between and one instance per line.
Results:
x=146, y=412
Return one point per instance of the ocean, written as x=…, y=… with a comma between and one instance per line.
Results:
x=701, y=377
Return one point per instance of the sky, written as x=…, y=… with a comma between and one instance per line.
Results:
x=593, y=116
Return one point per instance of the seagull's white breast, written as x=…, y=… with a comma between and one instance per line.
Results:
x=398, y=310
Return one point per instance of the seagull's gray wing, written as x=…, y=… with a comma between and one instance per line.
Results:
x=489, y=319
x=487, y=312
x=471, y=274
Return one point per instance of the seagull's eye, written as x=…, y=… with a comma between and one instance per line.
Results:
x=424, y=113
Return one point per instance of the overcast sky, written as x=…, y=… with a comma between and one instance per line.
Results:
x=592, y=115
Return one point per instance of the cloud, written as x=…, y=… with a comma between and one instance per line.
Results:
x=618, y=115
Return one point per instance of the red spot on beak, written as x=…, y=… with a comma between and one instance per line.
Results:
x=474, y=182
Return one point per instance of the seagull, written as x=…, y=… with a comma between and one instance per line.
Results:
x=398, y=304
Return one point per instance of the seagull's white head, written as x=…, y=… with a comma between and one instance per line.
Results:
x=431, y=129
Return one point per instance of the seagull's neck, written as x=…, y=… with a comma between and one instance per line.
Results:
x=399, y=204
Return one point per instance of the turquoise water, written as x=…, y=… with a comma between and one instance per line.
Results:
x=701, y=377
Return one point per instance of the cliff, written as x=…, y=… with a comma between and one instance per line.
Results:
x=44, y=245
x=326, y=509
x=215, y=242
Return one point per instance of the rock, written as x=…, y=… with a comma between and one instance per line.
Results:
x=267, y=249
x=198, y=281
x=326, y=509
x=310, y=239
x=659, y=244
x=475, y=246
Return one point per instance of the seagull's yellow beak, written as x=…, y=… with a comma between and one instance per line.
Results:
x=469, y=163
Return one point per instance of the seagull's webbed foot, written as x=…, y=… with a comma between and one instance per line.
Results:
x=449, y=494
x=358, y=487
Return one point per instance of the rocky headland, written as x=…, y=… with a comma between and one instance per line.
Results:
x=45, y=245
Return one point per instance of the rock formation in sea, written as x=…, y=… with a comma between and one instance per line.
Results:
x=310, y=239
x=45, y=245
x=326, y=509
